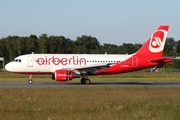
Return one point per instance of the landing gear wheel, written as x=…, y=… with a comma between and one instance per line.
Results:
x=82, y=81
x=85, y=81
x=30, y=81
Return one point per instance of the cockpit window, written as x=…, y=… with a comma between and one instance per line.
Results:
x=16, y=60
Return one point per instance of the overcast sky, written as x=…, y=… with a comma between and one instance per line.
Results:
x=110, y=21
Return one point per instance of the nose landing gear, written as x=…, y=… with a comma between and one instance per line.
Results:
x=30, y=81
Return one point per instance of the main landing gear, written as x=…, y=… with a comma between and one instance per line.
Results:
x=30, y=81
x=85, y=79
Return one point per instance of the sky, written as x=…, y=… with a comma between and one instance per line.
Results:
x=110, y=21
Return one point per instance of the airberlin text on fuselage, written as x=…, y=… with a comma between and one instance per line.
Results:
x=73, y=60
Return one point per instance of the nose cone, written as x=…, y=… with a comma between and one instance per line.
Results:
x=8, y=67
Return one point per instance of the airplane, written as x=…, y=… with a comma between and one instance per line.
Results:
x=65, y=67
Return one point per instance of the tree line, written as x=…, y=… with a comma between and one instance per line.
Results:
x=13, y=46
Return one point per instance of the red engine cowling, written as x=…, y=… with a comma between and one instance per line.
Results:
x=63, y=75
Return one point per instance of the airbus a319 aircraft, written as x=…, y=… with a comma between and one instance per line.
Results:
x=65, y=67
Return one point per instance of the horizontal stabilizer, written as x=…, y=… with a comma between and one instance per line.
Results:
x=160, y=59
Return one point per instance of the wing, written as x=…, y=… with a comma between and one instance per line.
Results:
x=90, y=68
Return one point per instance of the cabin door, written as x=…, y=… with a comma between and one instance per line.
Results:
x=134, y=61
x=30, y=61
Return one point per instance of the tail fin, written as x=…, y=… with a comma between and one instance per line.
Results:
x=155, y=44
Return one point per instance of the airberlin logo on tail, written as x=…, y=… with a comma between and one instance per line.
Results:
x=157, y=41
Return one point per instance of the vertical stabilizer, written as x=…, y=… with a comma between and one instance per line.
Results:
x=154, y=46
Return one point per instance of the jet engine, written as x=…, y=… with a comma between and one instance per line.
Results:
x=63, y=75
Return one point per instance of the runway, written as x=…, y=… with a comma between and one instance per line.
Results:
x=94, y=84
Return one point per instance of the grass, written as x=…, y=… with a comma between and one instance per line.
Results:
x=90, y=103
x=101, y=103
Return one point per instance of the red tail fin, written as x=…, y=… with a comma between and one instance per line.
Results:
x=155, y=44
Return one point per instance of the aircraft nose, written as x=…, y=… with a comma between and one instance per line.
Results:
x=8, y=67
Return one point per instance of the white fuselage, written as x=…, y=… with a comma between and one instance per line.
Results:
x=48, y=63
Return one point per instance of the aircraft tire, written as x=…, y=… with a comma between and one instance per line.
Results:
x=87, y=81
x=83, y=81
x=30, y=81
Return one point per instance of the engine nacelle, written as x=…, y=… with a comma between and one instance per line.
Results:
x=63, y=75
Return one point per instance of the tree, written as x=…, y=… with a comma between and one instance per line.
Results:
x=61, y=44
x=177, y=47
x=42, y=43
x=169, y=47
x=13, y=46
x=86, y=44
x=128, y=48
x=176, y=63
x=109, y=48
